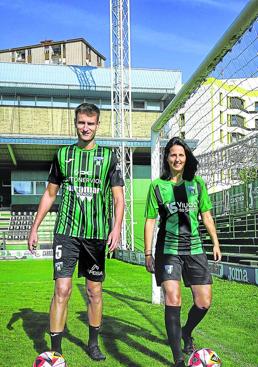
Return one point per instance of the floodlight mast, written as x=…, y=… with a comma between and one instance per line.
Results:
x=121, y=105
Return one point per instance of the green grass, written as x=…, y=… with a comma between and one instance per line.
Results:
x=133, y=331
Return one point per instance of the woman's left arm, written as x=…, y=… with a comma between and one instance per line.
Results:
x=210, y=226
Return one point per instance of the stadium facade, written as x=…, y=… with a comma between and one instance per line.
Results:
x=37, y=109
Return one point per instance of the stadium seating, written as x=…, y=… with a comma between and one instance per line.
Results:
x=4, y=226
x=15, y=228
x=237, y=236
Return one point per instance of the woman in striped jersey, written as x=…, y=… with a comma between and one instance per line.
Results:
x=178, y=197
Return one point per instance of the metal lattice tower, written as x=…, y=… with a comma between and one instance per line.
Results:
x=121, y=104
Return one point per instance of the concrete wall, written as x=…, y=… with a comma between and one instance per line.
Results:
x=59, y=122
x=6, y=57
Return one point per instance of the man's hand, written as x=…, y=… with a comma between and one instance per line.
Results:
x=114, y=239
x=33, y=240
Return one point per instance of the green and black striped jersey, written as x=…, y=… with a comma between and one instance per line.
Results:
x=178, y=206
x=86, y=177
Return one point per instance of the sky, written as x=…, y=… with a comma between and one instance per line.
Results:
x=165, y=34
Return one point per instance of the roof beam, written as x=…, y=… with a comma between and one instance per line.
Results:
x=12, y=155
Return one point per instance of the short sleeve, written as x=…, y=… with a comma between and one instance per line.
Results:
x=115, y=174
x=55, y=175
x=204, y=201
x=152, y=207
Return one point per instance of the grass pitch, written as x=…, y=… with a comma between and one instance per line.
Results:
x=133, y=332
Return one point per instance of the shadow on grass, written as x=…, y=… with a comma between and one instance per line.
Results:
x=36, y=326
x=116, y=331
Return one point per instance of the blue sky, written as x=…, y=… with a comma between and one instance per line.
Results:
x=165, y=34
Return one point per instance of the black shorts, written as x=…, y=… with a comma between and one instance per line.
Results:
x=90, y=253
x=193, y=269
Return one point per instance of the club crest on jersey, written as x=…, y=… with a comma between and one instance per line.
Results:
x=172, y=207
x=169, y=269
x=192, y=190
x=98, y=160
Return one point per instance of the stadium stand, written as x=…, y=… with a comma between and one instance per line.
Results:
x=15, y=227
x=238, y=238
x=4, y=226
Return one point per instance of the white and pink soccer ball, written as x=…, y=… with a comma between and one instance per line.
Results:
x=49, y=359
x=204, y=358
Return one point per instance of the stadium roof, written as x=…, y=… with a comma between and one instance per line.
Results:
x=76, y=79
x=57, y=80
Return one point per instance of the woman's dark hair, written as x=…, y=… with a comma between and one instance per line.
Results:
x=190, y=165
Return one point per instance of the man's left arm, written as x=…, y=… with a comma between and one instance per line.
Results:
x=119, y=204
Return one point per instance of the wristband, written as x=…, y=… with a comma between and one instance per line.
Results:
x=148, y=255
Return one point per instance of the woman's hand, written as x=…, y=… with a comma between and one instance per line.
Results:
x=149, y=263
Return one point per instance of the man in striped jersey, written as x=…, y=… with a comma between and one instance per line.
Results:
x=87, y=173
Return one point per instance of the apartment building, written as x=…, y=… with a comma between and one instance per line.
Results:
x=75, y=51
x=219, y=113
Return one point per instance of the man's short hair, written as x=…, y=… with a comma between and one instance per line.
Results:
x=88, y=109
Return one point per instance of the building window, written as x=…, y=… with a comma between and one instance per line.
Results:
x=99, y=60
x=20, y=56
x=9, y=100
x=139, y=105
x=60, y=102
x=74, y=102
x=64, y=50
x=153, y=106
x=43, y=101
x=182, y=120
x=221, y=117
x=235, y=137
x=236, y=102
x=220, y=98
x=27, y=101
x=56, y=54
x=29, y=57
x=221, y=137
x=22, y=188
x=237, y=121
x=182, y=135
x=40, y=187
x=46, y=52
x=256, y=106
x=235, y=173
x=256, y=124
x=228, y=138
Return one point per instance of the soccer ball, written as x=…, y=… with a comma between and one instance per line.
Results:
x=48, y=359
x=204, y=358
